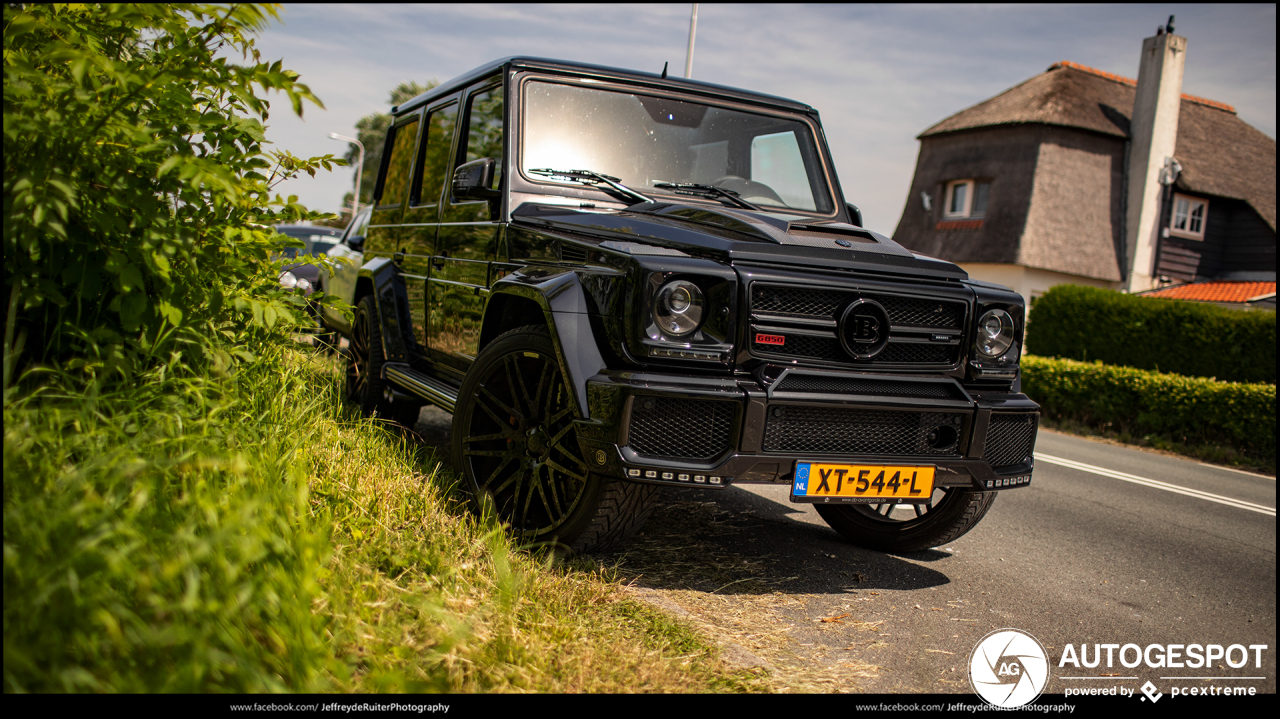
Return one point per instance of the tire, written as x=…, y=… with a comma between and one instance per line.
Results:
x=365, y=387
x=903, y=527
x=515, y=445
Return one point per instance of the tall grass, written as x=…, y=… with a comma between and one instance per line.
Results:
x=245, y=533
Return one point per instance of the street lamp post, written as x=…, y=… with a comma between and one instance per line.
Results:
x=355, y=201
x=693, y=30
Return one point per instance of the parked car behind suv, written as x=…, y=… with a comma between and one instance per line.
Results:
x=617, y=281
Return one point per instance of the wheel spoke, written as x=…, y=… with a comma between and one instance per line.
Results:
x=485, y=437
x=559, y=467
x=486, y=453
x=501, y=420
x=513, y=478
x=530, y=402
x=560, y=415
x=508, y=363
x=542, y=384
x=919, y=512
x=535, y=483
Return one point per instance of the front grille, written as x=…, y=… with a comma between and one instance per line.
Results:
x=671, y=428
x=826, y=304
x=917, y=312
x=918, y=353
x=834, y=384
x=797, y=301
x=831, y=430
x=799, y=314
x=1010, y=439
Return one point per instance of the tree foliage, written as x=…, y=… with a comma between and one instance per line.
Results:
x=137, y=188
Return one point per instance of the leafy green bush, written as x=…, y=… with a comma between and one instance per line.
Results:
x=1187, y=410
x=1188, y=338
x=136, y=189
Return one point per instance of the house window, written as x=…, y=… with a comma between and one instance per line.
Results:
x=1189, y=215
x=967, y=198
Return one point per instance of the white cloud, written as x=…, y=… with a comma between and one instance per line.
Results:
x=879, y=75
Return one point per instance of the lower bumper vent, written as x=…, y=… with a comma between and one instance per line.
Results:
x=822, y=430
x=669, y=428
x=1010, y=439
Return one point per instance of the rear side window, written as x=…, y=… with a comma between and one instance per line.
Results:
x=435, y=154
x=399, y=165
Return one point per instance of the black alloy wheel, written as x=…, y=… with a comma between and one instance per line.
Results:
x=514, y=440
x=365, y=387
x=889, y=527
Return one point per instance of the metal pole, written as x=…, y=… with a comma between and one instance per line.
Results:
x=693, y=31
x=355, y=201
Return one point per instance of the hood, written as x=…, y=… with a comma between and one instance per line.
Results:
x=742, y=236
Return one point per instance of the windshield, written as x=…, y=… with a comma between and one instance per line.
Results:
x=645, y=140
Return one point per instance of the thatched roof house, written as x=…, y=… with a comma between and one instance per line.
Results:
x=1045, y=183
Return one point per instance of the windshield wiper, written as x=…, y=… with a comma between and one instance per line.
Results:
x=595, y=179
x=710, y=191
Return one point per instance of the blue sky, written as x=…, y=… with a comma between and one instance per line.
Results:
x=879, y=75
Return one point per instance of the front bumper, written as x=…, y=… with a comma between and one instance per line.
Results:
x=718, y=431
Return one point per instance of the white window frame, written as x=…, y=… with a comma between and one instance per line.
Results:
x=970, y=185
x=1191, y=201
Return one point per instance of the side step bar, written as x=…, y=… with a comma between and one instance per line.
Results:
x=417, y=383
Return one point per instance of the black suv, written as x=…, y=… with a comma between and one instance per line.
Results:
x=616, y=280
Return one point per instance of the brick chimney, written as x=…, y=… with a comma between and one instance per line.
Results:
x=1153, y=133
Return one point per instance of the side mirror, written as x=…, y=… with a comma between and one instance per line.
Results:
x=473, y=180
x=356, y=242
x=855, y=215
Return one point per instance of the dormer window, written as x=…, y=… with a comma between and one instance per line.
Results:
x=967, y=198
x=1189, y=216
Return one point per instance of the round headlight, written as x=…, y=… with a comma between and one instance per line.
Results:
x=677, y=310
x=288, y=280
x=995, y=333
x=304, y=284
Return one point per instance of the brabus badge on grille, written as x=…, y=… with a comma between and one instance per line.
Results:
x=864, y=328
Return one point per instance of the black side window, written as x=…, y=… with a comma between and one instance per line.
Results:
x=435, y=154
x=400, y=163
x=484, y=129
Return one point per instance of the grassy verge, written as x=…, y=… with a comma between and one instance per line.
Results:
x=247, y=534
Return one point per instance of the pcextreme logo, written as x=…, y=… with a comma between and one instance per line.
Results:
x=1009, y=668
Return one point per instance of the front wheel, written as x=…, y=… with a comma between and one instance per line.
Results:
x=949, y=514
x=515, y=442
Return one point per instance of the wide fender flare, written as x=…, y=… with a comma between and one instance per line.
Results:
x=564, y=306
x=392, y=302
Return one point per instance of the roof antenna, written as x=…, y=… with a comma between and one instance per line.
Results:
x=1169, y=25
x=664, y=71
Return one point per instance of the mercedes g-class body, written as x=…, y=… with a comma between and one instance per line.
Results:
x=616, y=280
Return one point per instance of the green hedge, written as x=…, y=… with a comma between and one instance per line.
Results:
x=1188, y=338
x=1187, y=410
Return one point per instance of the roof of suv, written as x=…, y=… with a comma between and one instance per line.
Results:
x=578, y=68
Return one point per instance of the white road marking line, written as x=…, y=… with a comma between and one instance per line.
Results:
x=1237, y=471
x=1238, y=503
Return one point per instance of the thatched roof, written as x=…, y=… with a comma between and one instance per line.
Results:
x=1220, y=153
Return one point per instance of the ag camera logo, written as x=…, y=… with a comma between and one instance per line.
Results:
x=1009, y=668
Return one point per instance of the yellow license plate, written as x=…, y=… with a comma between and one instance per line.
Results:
x=861, y=483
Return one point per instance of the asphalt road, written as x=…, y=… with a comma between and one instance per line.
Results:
x=1081, y=556
x=1108, y=545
